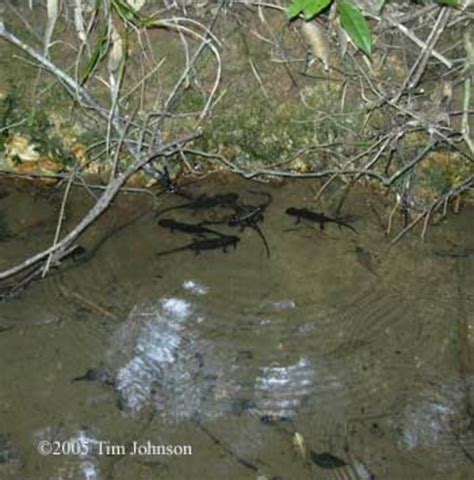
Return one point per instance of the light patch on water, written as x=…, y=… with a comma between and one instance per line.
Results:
x=171, y=367
x=279, y=305
x=155, y=351
x=177, y=308
x=306, y=328
x=81, y=463
x=284, y=305
x=89, y=471
x=89, y=447
x=431, y=420
x=425, y=424
x=279, y=390
x=88, y=444
x=195, y=287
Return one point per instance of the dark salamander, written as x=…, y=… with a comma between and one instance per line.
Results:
x=214, y=243
x=198, y=245
x=186, y=227
x=249, y=216
x=321, y=218
x=204, y=201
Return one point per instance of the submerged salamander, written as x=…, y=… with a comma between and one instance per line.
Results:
x=249, y=216
x=186, y=227
x=204, y=201
x=214, y=243
x=197, y=245
x=321, y=218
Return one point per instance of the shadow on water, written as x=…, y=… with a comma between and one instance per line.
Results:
x=335, y=358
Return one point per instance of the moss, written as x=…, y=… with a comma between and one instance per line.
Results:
x=255, y=130
x=191, y=101
x=251, y=128
x=16, y=118
x=443, y=170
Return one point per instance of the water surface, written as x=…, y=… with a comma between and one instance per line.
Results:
x=360, y=351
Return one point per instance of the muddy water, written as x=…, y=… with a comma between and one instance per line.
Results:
x=336, y=358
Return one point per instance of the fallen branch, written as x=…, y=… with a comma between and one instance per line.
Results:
x=53, y=255
x=57, y=250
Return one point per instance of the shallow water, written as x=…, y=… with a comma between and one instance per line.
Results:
x=266, y=368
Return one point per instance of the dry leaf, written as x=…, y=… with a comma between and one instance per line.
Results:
x=116, y=52
x=20, y=147
x=343, y=38
x=316, y=36
x=53, y=10
x=299, y=444
x=79, y=21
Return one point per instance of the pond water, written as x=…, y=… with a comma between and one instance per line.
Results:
x=335, y=358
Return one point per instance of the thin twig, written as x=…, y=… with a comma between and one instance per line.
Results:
x=409, y=34
x=419, y=66
x=60, y=219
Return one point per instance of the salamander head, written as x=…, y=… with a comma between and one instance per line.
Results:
x=292, y=211
x=228, y=198
x=166, y=222
x=229, y=239
x=233, y=221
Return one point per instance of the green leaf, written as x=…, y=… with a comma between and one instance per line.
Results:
x=297, y=7
x=310, y=8
x=449, y=3
x=314, y=7
x=100, y=50
x=353, y=22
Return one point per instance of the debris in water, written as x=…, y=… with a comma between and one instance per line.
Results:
x=299, y=444
x=326, y=460
x=99, y=375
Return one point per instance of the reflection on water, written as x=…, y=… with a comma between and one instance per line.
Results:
x=185, y=376
x=280, y=389
x=314, y=363
x=171, y=366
